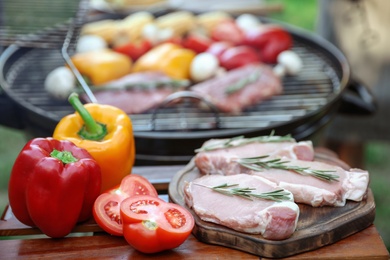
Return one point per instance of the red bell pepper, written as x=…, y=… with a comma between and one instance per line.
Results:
x=53, y=185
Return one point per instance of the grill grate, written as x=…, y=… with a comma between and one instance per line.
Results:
x=317, y=85
x=39, y=23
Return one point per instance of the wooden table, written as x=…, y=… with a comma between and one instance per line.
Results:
x=89, y=242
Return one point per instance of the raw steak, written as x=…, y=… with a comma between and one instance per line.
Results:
x=218, y=161
x=240, y=88
x=273, y=220
x=135, y=100
x=351, y=185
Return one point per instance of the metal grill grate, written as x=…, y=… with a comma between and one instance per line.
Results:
x=39, y=23
x=315, y=87
x=171, y=133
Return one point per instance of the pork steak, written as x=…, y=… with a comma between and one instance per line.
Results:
x=213, y=158
x=147, y=91
x=351, y=184
x=240, y=88
x=273, y=220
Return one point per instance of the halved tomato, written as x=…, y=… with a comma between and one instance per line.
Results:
x=270, y=40
x=238, y=56
x=151, y=225
x=106, y=209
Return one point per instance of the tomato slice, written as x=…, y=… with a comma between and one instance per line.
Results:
x=106, y=209
x=151, y=225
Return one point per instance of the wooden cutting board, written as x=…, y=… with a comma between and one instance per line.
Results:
x=317, y=227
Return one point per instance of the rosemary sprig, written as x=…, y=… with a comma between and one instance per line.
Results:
x=247, y=193
x=240, y=140
x=241, y=83
x=258, y=164
x=174, y=83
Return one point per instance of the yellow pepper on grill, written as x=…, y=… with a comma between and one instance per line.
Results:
x=172, y=59
x=106, y=133
x=102, y=66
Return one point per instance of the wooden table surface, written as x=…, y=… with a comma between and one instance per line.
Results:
x=92, y=243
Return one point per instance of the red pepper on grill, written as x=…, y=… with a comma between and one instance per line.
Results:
x=53, y=185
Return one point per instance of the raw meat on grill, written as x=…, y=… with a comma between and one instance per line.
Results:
x=219, y=161
x=273, y=220
x=136, y=99
x=240, y=88
x=351, y=184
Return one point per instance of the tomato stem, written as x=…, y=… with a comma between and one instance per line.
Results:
x=150, y=225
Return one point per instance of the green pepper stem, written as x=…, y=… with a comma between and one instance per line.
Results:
x=65, y=156
x=91, y=129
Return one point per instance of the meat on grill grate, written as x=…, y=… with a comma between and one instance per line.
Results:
x=241, y=88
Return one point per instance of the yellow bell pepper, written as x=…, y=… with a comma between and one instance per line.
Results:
x=102, y=66
x=109, y=139
x=169, y=58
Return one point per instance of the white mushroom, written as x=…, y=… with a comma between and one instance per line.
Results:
x=90, y=43
x=290, y=62
x=247, y=22
x=60, y=82
x=204, y=66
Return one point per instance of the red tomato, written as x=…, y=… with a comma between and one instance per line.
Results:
x=197, y=43
x=270, y=40
x=217, y=48
x=134, y=49
x=238, y=56
x=228, y=31
x=106, y=210
x=151, y=225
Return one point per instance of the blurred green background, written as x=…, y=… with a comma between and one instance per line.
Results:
x=301, y=13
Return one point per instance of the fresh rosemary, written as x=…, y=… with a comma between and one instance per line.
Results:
x=247, y=193
x=173, y=83
x=240, y=140
x=259, y=164
x=241, y=83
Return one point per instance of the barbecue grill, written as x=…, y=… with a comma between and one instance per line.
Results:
x=170, y=133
